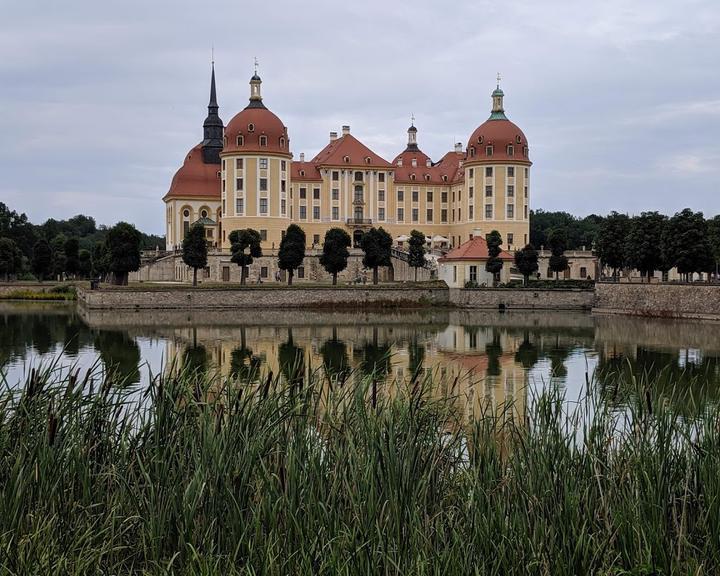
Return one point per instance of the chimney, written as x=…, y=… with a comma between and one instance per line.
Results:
x=428, y=163
x=458, y=147
x=333, y=136
x=345, y=130
x=302, y=156
x=477, y=233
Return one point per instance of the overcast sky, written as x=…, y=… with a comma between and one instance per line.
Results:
x=100, y=101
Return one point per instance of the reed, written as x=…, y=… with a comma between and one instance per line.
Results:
x=203, y=474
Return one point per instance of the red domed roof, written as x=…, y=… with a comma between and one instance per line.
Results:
x=500, y=134
x=252, y=124
x=195, y=179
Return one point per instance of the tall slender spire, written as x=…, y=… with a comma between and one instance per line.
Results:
x=212, y=127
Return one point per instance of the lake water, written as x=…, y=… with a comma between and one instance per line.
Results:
x=478, y=355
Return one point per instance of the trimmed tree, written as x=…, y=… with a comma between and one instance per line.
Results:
x=685, y=243
x=335, y=253
x=123, y=247
x=100, y=260
x=245, y=247
x=292, y=250
x=610, y=244
x=494, y=263
x=376, y=245
x=643, y=247
x=72, y=256
x=59, y=259
x=42, y=259
x=10, y=258
x=194, y=249
x=558, y=261
x=526, y=261
x=416, y=251
x=714, y=238
x=84, y=263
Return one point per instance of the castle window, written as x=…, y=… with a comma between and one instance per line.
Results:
x=238, y=183
x=414, y=162
x=412, y=176
x=399, y=162
x=263, y=184
x=511, y=171
x=358, y=176
x=282, y=142
x=346, y=159
x=239, y=164
x=429, y=196
x=480, y=139
x=427, y=177
x=518, y=139
x=489, y=150
x=443, y=215
x=510, y=239
x=335, y=175
x=302, y=173
x=263, y=163
x=186, y=213
x=471, y=173
x=316, y=193
x=444, y=178
x=240, y=140
x=525, y=151
x=381, y=177
x=263, y=205
x=381, y=195
x=510, y=212
x=263, y=235
x=510, y=150
x=368, y=160
x=511, y=191
x=283, y=165
x=336, y=194
x=263, y=140
x=225, y=141
x=239, y=206
x=401, y=195
x=488, y=191
x=488, y=172
x=415, y=195
x=472, y=150
x=251, y=127
x=303, y=193
x=443, y=197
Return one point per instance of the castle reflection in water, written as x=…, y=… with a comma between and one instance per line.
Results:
x=479, y=359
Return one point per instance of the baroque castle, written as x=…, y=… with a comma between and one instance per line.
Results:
x=243, y=175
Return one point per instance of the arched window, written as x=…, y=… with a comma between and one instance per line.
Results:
x=346, y=159
x=302, y=173
x=240, y=140
x=480, y=139
x=444, y=178
x=368, y=160
x=203, y=213
x=263, y=140
x=518, y=140
x=427, y=177
x=282, y=142
x=412, y=176
x=472, y=151
x=251, y=127
x=186, y=213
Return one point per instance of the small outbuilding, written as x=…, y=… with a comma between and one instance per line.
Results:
x=466, y=264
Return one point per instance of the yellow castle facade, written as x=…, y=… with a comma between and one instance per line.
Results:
x=244, y=175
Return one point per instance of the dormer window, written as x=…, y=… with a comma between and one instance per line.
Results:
x=472, y=151
x=488, y=150
x=282, y=142
x=428, y=163
x=427, y=177
x=302, y=173
x=263, y=140
x=510, y=150
x=414, y=162
x=444, y=178
x=480, y=139
x=518, y=140
x=525, y=151
x=240, y=140
x=368, y=160
x=412, y=176
x=251, y=127
x=346, y=159
x=399, y=163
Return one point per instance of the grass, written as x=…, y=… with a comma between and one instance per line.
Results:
x=200, y=474
x=62, y=293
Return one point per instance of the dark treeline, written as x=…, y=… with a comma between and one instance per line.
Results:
x=57, y=249
x=648, y=242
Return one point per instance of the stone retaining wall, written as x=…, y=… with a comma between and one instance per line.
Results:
x=659, y=300
x=497, y=298
x=6, y=288
x=396, y=296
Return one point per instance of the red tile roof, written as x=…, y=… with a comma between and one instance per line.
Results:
x=475, y=249
x=195, y=179
x=305, y=171
x=499, y=134
x=449, y=167
x=347, y=146
x=263, y=123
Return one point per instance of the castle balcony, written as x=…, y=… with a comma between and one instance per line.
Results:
x=359, y=222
